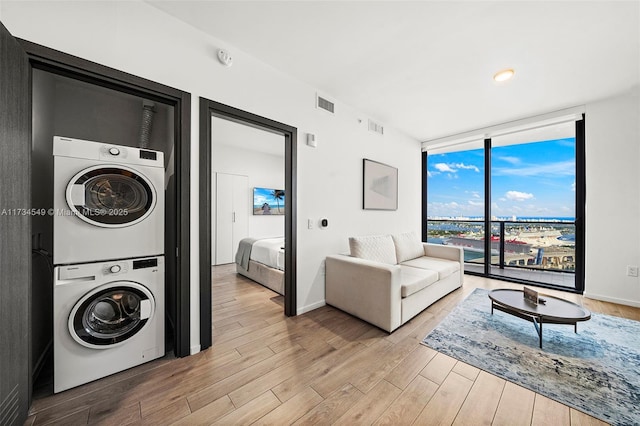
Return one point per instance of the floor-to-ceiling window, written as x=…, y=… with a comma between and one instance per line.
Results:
x=514, y=201
x=455, y=200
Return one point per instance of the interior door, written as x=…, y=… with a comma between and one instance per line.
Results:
x=15, y=231
x=232, y=215
x=224, y=218
x=240, y=212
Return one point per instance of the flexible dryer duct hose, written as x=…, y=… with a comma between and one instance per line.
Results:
x=148, y=109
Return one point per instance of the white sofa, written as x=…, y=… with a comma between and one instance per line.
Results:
x=389, y=279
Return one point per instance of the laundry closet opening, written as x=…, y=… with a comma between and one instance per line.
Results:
x=97, y=148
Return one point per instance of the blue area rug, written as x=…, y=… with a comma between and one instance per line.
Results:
x=596, y=371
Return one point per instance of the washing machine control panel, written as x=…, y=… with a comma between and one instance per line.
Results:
x=107, y=152
x=116, y=268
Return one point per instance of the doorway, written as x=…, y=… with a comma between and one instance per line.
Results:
x=247, y=171
x=210, y=111
x=65, y=87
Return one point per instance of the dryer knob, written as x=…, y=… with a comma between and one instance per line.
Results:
x=114, y=151
x=115, y=269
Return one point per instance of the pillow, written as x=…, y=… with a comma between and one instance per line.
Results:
x=379, y=248
x=408, y=246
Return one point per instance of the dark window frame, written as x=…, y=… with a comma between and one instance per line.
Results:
x=580, y=203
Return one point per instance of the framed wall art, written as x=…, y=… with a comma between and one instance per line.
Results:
x=380, y=186
x=268, y=201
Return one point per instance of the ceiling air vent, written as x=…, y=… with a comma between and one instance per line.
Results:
x=324, y=104
x=375, y=127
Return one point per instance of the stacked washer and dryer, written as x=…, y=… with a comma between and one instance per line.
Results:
x=108, y=253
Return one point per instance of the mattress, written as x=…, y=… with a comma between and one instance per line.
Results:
x=269, y=251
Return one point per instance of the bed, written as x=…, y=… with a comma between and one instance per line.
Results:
x=262, y=260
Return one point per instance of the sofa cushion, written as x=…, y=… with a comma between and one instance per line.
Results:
x=379, y=248
x=408, y=246
x=412, y=280
x=443, y=267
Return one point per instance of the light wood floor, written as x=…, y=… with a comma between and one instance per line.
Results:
x=323, y=367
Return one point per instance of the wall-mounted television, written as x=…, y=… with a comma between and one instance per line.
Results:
x=268, y=201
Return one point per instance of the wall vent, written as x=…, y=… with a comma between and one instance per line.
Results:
x=324, y=104
x=375, y=127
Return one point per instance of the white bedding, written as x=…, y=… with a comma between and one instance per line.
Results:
x=269, y=251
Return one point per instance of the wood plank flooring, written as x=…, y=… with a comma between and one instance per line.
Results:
x=323, y=367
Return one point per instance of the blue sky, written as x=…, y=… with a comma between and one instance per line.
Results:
x=528, y=180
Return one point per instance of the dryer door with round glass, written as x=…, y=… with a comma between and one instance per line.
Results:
x=111, y=314
x=110, y=196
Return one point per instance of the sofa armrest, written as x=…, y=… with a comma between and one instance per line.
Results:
x=364, y=288
x=444, y=252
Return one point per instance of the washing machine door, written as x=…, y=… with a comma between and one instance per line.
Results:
x=111, y=196
x=111, y=314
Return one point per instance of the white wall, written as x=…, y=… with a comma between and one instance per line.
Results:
x=613, y=198
x=264, y=171
x=139, y=39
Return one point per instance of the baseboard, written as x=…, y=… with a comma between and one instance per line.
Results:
x=195, y=349
x=612, y=299
x=310, y=307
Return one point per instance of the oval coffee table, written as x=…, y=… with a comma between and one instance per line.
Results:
x=553, y=311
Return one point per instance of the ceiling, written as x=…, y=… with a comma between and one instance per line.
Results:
x=426, y=67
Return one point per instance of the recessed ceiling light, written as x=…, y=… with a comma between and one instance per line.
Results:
x=504, y=75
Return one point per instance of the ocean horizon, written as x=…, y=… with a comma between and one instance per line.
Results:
x=510, y=219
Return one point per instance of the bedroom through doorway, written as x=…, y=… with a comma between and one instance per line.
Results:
x=248, y=202
x=249, y=219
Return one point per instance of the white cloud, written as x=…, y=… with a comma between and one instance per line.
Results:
x=518, y=196
x=562, y=168
x=476, y=203
x=454, y=209
x=442, y=167
x=511, y=160
x=453, y=168
x=466, y=166
x=573, y=187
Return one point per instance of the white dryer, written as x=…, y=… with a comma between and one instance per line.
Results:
x=108, y=201
x=108, y=316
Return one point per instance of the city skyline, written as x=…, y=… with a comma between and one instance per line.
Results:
x=534, y=179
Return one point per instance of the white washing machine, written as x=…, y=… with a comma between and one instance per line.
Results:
x=108, y=201
x=108, y=316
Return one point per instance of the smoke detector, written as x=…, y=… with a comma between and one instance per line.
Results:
x=225, y=58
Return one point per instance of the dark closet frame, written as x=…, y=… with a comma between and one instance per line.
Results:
x=47, y=59
x=209, y=109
